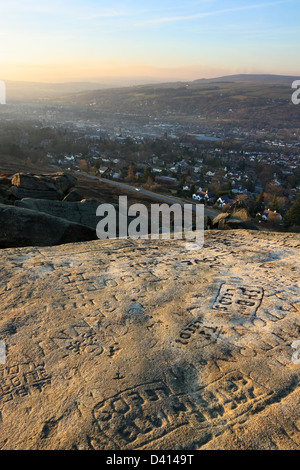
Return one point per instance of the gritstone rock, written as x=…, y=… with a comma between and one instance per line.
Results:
x=124, y=345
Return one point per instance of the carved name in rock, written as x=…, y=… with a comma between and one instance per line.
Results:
x=205, y=334
x=21, y=380
x=241, y=300
x=143, y=414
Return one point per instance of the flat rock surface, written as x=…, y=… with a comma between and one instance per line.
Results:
x=125, y=344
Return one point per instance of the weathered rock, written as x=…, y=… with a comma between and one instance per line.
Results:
x=64, y=182
x=83, y=212
x=230, y=224
x=147, y=345
x=3, y=192
x=219, y=218
x=21, y=193
x=225, y=221
x=33, y=182
x=23, y=227
x=5, y=181
x=51, y=187
x=73, y=196
x=207, y=222
x=5, y=185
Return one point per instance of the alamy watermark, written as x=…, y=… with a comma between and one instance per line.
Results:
x=296, y=355
x=164, y=222
x=2, y=353
x=2, y=92
x=296, y=94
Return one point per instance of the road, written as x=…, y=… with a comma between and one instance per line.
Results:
x=161, y=197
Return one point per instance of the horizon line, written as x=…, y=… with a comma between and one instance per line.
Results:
x=142, y=77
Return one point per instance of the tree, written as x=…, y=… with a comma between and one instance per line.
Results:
x=93, y=170
x=192, y=190
x=83, y=166
x=260, y=203
x=130, y=175
x=274, y=203
x=147, y=174
x=149, y=182
x=292, y=217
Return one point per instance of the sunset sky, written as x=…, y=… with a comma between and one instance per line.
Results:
x=163, y=39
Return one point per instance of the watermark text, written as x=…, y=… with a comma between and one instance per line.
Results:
x=2, y=353
x=296, y=94
x=163, y=222
x=296, y=355
x=2, y=92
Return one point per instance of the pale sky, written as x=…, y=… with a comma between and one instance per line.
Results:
x=168, y=39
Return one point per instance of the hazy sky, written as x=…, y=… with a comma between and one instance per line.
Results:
x=84, y=39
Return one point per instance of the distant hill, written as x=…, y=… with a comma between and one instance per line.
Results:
x=253, y=78
x=248, y=101
x=35, y=91
x=32, y=91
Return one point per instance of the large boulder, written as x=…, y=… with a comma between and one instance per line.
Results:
x=24, y=185
x=23, y=227
x=33, y=182
x=64, y=182
x=236, y=224
x=219, y=219
x=227, y=221
x=5, y=193
x=73, y=196
x=83, y=212
x=5, y=181
x=52, y=187
x=21, y=193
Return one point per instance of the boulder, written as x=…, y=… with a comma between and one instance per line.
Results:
x=83, y=212
x=4, y=193
x=236, y=224
x=207, y=222
x=225, y=221
x=5, y=181
x=23, y=227
x=64, y=182
x=219, y=218
x=21, y=193
x=33, y=182
x=73, y=196
x=51, y=187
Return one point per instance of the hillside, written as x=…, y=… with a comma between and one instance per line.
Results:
x=145, y=345
x=254, y=78
x=250, y=102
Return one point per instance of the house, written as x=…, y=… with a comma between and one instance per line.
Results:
x=103, y=170
x=224, y=200
x=204, y=196
x=268, y=214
